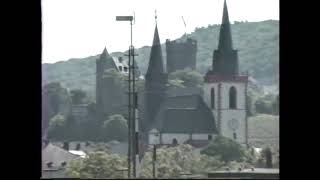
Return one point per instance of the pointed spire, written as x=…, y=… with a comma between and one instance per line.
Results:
x=225, y=39
x=155, y=16
x=156, y=61
x=225, y=58
x=104, y=53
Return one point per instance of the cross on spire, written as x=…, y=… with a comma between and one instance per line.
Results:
x=155, y=15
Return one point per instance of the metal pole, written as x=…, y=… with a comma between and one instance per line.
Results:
x=133, y=112
x=129, y=118
x=154, y=161
x=130, y=95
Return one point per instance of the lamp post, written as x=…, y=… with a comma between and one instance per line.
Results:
x=133, y=133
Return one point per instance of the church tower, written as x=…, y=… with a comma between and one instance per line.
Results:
x=155, y=83
x=225, y=90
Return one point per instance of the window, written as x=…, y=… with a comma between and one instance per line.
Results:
x=125, y=69
x=120, y=68
x=212, y=98
x=209, y=137
x=232, y=98
x=234, y=135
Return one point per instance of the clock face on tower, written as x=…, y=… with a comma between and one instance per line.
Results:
x=233, y=124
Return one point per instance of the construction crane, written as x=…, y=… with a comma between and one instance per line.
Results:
x=185, y=26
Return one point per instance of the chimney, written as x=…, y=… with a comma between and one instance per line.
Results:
x=87, y=143
x=49, y=164
x=66, y=146
x=120, y=59
x=78, y=147
x=63, y=164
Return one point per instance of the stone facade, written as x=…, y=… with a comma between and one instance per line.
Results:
x=181, y=55
x=223, y=113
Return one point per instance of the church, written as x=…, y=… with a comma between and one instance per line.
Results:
x=219, y=108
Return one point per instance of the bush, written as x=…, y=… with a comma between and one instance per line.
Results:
x=225, y=148
x=186, y=77
x=263, y=106
x=57, y=127
x=97, y=165
x=116, y=128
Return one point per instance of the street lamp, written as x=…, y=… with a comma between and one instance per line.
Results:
x=131, y=112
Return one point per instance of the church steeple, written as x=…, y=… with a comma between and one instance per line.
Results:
x=225, y=39
x=225, y=58
x=156, y=61
x=155, y=84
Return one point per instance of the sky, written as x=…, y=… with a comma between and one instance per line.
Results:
x=82, y=28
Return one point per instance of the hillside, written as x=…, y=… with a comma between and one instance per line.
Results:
x=257, y=43
x=264, y=130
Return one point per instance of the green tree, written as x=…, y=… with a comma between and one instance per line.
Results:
x=175, y=83
x=77, y=96
x=116, y=128
x=225, y=148
x=55, y=100
x=97, y=164
x=264, y=106
x=57, y=127
x=187, y=77
x=172, y=161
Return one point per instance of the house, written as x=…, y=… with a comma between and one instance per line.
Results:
x=55, y=159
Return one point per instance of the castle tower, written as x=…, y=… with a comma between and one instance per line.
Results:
x=103, y=98
x=155, y=83
x=181, y=55
x=101, y=65
x=225, y=90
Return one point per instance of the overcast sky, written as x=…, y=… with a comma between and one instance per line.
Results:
x=82, y=28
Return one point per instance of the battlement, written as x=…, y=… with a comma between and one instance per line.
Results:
x=181, y=55
x=188, y=43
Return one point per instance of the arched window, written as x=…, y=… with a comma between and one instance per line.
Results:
x=212, y=98
x=232, y=98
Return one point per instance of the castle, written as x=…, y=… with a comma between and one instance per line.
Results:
x=167, y=116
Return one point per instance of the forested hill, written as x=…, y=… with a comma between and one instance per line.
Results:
x=257, y=44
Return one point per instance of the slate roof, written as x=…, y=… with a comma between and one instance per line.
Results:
x=56, y=155
x=174, y=92
x=185, y=114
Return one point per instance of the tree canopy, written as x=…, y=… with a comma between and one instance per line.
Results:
x=225, y=148
x=186, y=78
x=116, y=128
x=98, y=164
